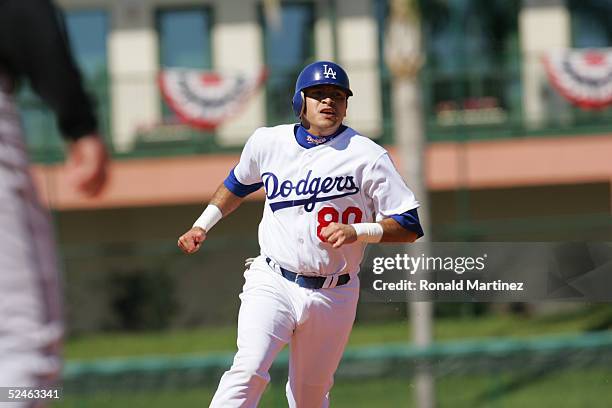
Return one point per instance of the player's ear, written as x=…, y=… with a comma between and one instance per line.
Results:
x=305, y=123
x=304, y=104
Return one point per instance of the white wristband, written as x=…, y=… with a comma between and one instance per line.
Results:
x=210, y=216
x=368, y=231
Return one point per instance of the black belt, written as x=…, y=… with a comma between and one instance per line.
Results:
x=311, y=282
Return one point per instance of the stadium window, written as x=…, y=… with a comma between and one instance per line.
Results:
x=473, y=62
x=591, y=23
x=287, y=49
x=87, y=32
x=184, y=41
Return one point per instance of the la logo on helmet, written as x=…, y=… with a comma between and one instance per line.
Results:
x=327, y=72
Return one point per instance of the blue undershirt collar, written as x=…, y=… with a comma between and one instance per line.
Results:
x=306, y=140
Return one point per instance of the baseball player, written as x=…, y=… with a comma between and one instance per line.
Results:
x=329, y=192
x=33, y=46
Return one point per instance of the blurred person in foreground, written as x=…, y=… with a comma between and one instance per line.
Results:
x=33, y=47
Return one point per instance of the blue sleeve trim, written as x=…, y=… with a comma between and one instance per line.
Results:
x=410, y=221
x=236, y=187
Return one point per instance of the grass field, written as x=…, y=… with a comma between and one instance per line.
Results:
x=527, y=385
x=214, y=340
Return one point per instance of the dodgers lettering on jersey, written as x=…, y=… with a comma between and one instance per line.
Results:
x=316, y=190
x=349, y=179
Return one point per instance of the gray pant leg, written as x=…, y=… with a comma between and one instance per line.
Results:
x=30, y=304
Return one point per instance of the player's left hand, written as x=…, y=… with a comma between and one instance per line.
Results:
x=339, y=234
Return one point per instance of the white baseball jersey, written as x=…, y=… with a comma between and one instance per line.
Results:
x=350, y=179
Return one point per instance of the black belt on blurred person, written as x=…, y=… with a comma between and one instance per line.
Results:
x=310, y=282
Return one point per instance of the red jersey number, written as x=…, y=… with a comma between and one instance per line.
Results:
x=327, y=215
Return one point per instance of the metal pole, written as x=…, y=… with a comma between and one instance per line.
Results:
x=411, y=147
x=404, y=58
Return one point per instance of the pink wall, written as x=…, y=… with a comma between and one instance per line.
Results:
x=483, y=164
x=522, y=162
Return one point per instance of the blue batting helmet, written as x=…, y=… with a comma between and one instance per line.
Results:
x=318, y=73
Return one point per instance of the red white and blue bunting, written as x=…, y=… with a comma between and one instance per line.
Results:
x=205, y=99
x=584, y=76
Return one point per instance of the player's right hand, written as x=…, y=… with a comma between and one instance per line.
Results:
x=87, y=165
x=192, y=240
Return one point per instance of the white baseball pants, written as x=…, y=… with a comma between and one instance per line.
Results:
x=274, y=312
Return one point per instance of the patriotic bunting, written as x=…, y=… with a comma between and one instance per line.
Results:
x=205, y=99
x=583, y=76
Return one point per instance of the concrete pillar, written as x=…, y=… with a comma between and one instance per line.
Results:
x=325, y=37
x=543, y=25
x=358, y=54
x=238, y=47
x=133, y=66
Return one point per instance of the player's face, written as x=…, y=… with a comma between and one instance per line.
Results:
x=325, y=109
